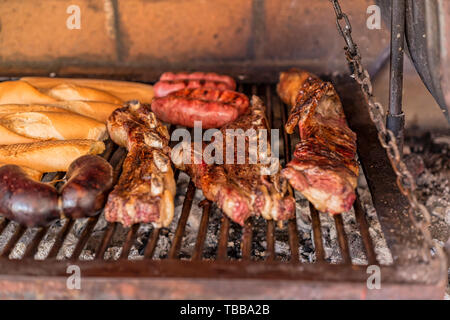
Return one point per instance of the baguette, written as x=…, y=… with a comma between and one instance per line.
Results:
x=54, y=125
x=122, y=89
x=21, y=92
x=9, y=137
x=6, y=109
x=71, y=92
x=49, y=156
x=97, y=110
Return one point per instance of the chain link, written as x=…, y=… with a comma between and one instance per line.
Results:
x=418, y=213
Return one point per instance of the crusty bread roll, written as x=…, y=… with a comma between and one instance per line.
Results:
x=54, y=125
x=71, y=92
x=121, y=89
x=9, y=137
x=21, y=92
x=97, y=110
x=6, y=109
x=49, y=156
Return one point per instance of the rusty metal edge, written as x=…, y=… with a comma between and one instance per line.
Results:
x=207, y=289
x=208, y=269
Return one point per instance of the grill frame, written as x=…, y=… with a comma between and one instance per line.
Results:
x=408, y=277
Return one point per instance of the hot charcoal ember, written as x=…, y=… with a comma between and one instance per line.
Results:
x=146, y=187
x=213, y=107
x=171, y=82
x=241, y=190
x=324, y=168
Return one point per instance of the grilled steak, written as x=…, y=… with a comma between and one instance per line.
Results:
x=324, y=168
x=240, y=190
x=146, y=188
x=213, y=107
x=170, y=82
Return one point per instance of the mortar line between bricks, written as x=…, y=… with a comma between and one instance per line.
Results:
x=259, y=29
x=118, y=34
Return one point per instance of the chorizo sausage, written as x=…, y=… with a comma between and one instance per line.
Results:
x=214, y=108
x=164, y=87
x=207, y=76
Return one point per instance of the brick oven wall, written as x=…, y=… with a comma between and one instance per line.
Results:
x=137, y=39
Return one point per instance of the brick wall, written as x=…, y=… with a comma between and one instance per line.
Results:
x=138, y=39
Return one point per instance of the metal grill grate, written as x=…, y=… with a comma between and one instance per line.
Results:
x=272, y=275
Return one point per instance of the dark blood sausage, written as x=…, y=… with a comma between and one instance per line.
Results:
x=90, y=178
x=26, y=201
x=207, y=76
x=214, y=108
x=36, y=204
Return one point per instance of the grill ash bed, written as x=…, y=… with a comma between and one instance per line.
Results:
x=203, y=255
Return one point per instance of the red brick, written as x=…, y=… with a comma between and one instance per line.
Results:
x=35, y=31
x=302, y=30
x=185, y=30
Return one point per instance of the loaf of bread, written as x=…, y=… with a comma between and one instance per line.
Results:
x=9, y=137
x=71, y=92
x=97, y=110
x=54, y=126
x=122, y=89
x=49, y=156
x=21, y=92
x=6, y=109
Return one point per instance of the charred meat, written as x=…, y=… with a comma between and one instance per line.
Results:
x=324, y=168
x=146, y=188
x=240, y=188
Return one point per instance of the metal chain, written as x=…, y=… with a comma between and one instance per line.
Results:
x=418, y=213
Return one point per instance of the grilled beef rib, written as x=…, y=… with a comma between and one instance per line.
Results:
x=146, y=188
x=324, y=168
x=240, y=190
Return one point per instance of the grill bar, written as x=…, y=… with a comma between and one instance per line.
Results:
x=33, y=246
x=129, y=241
x=12, y=241
x=270, y=234
x=364, y=230
x=110, y=229
x=3, y=225
x=203, y=229
x=342, y=238
x=317, y=234
x=247, y=237
x=151, y=244
x=60, y=238
x=84, y=237
x=187, y=205
x=222, y=252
